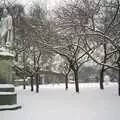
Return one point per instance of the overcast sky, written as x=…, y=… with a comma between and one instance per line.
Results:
x=50, y=3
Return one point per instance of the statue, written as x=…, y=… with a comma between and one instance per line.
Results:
x=6, y=29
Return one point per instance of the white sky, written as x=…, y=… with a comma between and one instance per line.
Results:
x=50, y=3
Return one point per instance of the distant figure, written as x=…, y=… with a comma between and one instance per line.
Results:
x=107, y=79
x=6, y=29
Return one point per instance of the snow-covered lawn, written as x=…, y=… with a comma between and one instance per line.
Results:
x=53, y=103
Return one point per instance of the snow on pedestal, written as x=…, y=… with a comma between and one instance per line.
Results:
x=6, y=52
x=6, y=86
x=9, y=107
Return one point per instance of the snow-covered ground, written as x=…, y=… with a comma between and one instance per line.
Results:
x=53, y=103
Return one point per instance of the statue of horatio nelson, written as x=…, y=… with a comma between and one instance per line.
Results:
x=6, y=29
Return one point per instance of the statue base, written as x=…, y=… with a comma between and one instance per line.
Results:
x=8, y=97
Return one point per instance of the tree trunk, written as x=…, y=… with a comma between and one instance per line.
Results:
x=76, y=81
x=24, y=63
x=118, y=63
x=119, y=81
x=32, y=83
x=102, y=78
x=66, y=82
x=37, y=82
x=24, y=83
x=103, y=67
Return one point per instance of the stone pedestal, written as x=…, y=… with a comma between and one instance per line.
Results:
x=7, y=88
x=8, y=97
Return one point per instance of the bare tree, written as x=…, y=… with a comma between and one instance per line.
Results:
x=70, y=21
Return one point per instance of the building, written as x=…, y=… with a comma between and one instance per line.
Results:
x=48, y=77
